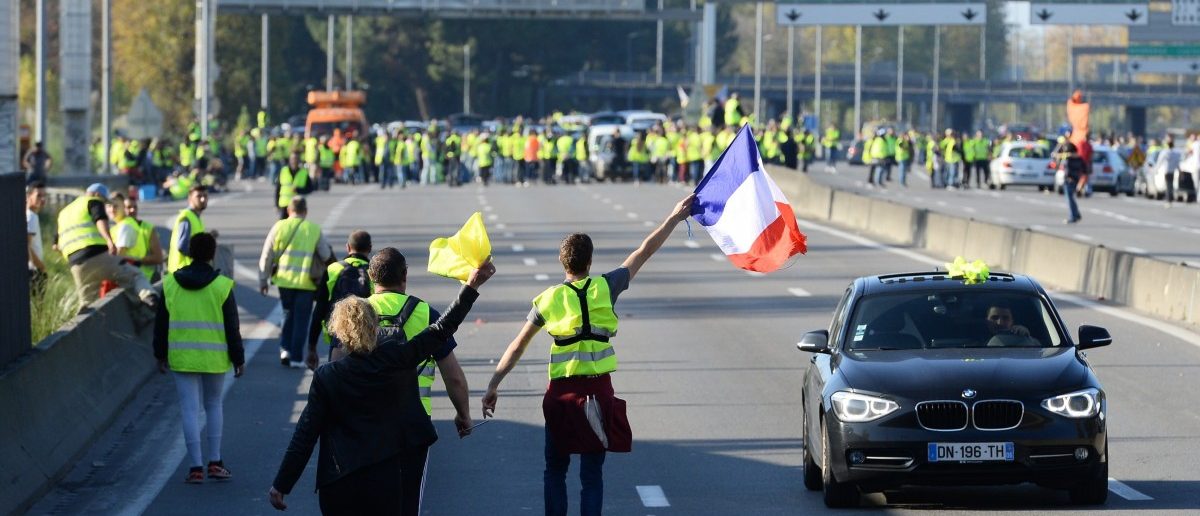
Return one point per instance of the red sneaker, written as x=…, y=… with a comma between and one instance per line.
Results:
x=195, y=476
x=217, y=471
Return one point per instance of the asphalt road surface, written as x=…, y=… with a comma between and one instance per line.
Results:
x=708, y=366
x=1133, y=224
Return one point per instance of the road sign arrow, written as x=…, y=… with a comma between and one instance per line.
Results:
x=793, y=15
x=881, y=15
x=1044, y=14
x=969, y=14
x=1133, y=15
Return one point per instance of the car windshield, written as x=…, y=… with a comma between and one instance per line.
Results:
x=953, y=319
x=1029, y=152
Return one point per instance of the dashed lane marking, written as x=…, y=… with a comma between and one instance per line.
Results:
x=691, y=244
x=501, y=226
x=756, y=274
x=518, y=248
x=508, y=234
x=541, y=277
x=1124, y=491
x=717, y=257
x=493, y=216
x=647, y=223
x=653, y=496
x=631, y=215
x=799, y=292
x=618, y=207
x=530, y=262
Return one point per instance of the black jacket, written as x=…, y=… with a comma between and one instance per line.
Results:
x=196, y=276
x=366, y=408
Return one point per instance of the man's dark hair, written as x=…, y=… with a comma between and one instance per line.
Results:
x=299, y=205
x=388, y=267
x=575, y=253
x=360, y=241
x=203, y=247
x=198, y=188
x=33, y=187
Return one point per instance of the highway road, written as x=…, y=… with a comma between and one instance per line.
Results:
x=708, y=366
x=1133, y=224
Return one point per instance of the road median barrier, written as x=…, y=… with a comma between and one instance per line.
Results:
x=1170, y=291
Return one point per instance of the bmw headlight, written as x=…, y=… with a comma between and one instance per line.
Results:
x=852, y=407
x=1075, y=405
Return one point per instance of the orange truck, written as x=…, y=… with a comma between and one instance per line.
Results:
x=336, y=113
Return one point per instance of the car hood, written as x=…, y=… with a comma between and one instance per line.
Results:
x=945, y=373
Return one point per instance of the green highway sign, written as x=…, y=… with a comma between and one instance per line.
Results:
x=1164, y=50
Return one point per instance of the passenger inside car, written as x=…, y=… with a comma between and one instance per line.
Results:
x=952, y=320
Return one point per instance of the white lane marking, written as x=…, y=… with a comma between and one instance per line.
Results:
x=717, y=257
x=1170, y=329
x=595, y=196
x=541, y=277
x=487, y=208
x=1136, y=250
x=606, y=200
x=756, y=274
x=631, y=215
x=501, y=225
x=530, y=262
x=799, y=292
x=493, y=216
x=647, y=223
x=618, y=207
x=148, y=491
x=518, y=248
x=297, y=409
x=1120, y=489
x=331, y=220
x=653, y=496
x=245, y=272
x=691, y=244
x=1082, y=236
x=509, y=234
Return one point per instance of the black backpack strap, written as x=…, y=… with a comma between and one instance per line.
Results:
x=410, y=305
x=585, y=331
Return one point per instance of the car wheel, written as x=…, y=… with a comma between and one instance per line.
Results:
x=812, y=472
x=1113, y=192
x=1094, y=489
x=837, y=494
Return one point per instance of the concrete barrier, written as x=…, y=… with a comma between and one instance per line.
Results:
x=1170, y=291
x=60, y=397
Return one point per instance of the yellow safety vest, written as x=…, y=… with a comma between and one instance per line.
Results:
x=580, y=318
x=289, y=182
x=176, y=259
x=142, y=246
x=295, y=243
x=196, y=328
x=390, y=307
x=76, y=229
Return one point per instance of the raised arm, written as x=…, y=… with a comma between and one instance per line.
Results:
x=656, y=238
x=512, y=355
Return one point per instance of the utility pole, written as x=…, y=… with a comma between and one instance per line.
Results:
x=758, y=36
x=265, y=64
x=817, y=78
x=349, y=52
x=329, y=53
x=791, y=66
x=658, y=48
x=106, y=82
x=39, y=57
x=937, y=70
x=75, y=84
x=900, y=74
x=467, y=79
x=857, y=78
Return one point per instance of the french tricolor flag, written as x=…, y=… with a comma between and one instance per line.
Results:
x=745, y=212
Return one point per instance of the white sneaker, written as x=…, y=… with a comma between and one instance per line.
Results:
x=284, y=357
x=297, y=365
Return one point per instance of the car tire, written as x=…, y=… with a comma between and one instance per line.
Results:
x=837, y=494
x=812, y=472
x=1093, y=490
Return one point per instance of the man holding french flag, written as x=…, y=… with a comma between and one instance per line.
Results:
x=745, y=212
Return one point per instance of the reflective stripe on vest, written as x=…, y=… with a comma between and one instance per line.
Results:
x=196, y=326
x=389, y=305
x=295, y=242
x=580, y=318
x=76, y=229
x=176, y=259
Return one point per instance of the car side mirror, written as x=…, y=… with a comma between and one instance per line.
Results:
x=814, y=342
x=1093, y=337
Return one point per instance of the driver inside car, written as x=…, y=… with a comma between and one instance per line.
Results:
x=1004, y=331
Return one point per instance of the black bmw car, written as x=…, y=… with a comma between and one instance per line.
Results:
x=922, y=379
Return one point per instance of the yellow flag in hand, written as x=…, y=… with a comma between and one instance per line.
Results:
x=457, y=256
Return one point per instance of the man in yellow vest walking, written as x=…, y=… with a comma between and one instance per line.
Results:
x=85, y=240
x=196, y=337
x=187, y=225
x=578, y=314
x=294, y=257
x=344, y=278
x=293, y=181
x=400, y=311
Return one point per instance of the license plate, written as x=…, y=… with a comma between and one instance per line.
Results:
x=970, y=452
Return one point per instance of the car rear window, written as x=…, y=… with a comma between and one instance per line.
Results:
x=952, y=319
x=1029, y=151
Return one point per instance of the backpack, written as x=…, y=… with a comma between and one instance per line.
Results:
x=394, y=329
x=353, y=280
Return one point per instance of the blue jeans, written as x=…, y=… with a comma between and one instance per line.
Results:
x=903, y=166
x=830, y=156
x=951, y=175
x=1069, y=191
x=591, y=476
x=297, y=312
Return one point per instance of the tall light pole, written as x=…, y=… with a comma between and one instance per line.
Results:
x=658, y=47
x=349, y=52
x=265, y=64
x=937, y=71
x=758, y=37
x=329, y=53
x=791, y=65
x=900, y=74
x=817, y=76
x=106, y=81
x=467, y=79
x=857, y=78
x=39, y=56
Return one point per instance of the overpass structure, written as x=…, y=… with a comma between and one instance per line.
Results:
x=960, y=97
